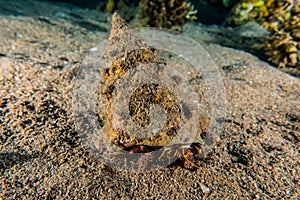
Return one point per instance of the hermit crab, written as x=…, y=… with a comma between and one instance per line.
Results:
x=141, y=114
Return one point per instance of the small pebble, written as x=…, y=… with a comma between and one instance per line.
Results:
x=94, y=49
x=205, y=189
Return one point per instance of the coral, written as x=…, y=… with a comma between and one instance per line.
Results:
x=283, y=46
x=246, y=11
x=281, y=18
x=165, y=14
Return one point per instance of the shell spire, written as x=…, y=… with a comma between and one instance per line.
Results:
x=118, y=25
x=122, y=39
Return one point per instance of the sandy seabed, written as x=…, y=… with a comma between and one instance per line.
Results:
x=42, y=47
